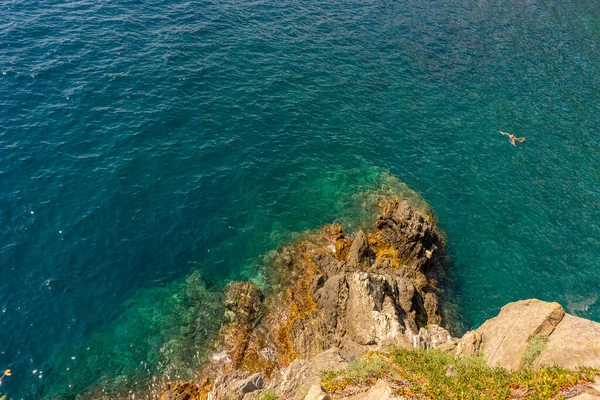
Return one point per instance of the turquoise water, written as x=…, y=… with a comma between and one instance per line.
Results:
x=143, y=141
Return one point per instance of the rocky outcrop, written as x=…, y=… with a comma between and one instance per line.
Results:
x=335, y=292
x=506, y=336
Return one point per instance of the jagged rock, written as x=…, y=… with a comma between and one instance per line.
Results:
x=243, y=301
x=234, y=386
x=363, y=307
x=574, y=342
x=469, y=344
x=331, y=300
x=506, y=336
x=371, y=317
x=359, y=255
x=329, y=264
x=431, y=338
x=316, y=392
x=380, y=391
x=414, y=238
x=406, y=292
x=326, y=294
x=431, y=305
x=181, y=391
x=302, y=374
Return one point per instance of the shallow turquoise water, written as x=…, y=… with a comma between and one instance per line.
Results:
x=140, y=141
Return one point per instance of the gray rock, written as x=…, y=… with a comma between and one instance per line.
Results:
x=234, y=386
x=302, y=374
x=371, y=316
x=359, y=255
x=431, y=338
x=413, y=237
x=469, y=344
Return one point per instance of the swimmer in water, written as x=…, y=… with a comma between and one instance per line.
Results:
x=513, y=139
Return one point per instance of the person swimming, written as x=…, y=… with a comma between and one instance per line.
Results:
x=512, y=138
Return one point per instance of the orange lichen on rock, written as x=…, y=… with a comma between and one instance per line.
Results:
x=383, y=249
x=185, y=391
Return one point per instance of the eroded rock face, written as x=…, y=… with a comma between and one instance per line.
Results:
x=469, y=344
x=302, y=374
x=333, y=292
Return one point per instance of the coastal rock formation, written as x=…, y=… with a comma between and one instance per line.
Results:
x=380, y=391
x=333, y=292
x=332, y=298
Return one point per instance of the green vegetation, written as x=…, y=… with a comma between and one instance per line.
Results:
x=432, y=374
x=535, y=346
x=267, y=395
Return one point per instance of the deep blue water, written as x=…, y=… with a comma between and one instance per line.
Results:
x=143, y=140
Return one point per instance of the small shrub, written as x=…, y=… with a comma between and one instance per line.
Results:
x=360, y=371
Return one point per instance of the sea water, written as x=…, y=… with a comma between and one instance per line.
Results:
x=151, y=151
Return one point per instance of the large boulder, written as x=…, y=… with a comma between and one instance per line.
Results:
x=534, y=333
x=506, y=337
x=574, y=342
